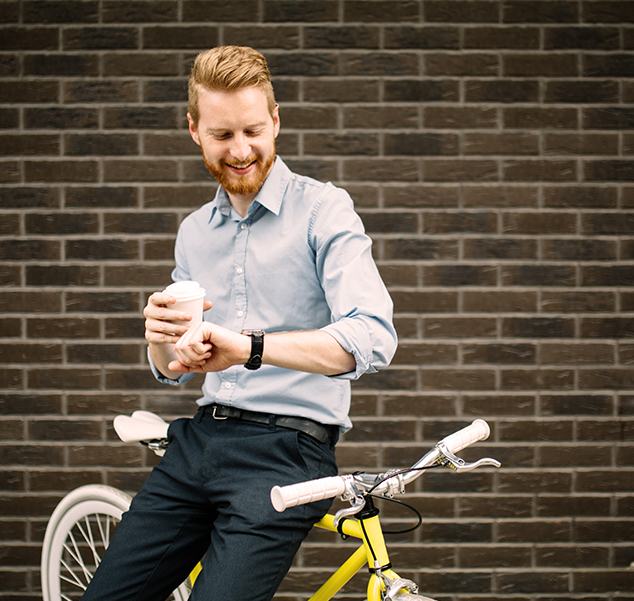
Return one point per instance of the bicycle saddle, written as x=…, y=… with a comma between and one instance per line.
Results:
x=140, y=426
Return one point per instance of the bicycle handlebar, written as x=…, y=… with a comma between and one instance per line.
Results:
x=301, y=493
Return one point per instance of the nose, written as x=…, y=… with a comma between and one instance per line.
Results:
x=240, y=148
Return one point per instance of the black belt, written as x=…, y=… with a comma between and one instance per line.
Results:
x=320, y=432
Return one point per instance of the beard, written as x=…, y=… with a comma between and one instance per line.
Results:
x=241, y=185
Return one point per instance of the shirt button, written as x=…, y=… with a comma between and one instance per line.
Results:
x=227, y=384
x=240, y=313
x=243, y=226
x=239, y=270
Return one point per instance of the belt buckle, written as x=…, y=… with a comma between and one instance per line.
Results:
x=218, y=417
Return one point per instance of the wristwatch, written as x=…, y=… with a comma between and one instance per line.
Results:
x=257, y=348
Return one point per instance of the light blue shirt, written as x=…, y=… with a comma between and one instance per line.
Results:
x=299, y=260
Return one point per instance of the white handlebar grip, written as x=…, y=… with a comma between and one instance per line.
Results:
x=284, y=497
x=477, y=430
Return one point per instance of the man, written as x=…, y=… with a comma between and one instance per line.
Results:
x=277, y=253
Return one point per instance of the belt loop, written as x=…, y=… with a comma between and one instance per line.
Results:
x=199, y=415
x=272, y=419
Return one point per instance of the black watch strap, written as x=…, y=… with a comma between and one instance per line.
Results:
x=257, y=348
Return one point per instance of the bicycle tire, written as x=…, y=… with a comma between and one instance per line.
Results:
x=77, y=534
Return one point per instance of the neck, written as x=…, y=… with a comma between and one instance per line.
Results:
x=241, y=203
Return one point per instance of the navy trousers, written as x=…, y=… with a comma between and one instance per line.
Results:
x=210, y=495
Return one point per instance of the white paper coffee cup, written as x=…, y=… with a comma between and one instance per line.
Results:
x=189, y=299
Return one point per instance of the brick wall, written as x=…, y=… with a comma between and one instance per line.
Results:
x=489, y=146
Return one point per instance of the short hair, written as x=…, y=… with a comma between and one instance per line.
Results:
x=228, y=68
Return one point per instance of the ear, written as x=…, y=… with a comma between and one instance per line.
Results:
x=276, y=119
x=193, y=130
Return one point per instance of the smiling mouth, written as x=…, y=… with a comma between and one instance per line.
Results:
x=241, y=167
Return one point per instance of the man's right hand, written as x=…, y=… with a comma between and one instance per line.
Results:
x=160, y=319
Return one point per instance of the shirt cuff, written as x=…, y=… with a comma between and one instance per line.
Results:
x=164, y=379
x=362, y=351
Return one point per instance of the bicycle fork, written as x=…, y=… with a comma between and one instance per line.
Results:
x=373, y=551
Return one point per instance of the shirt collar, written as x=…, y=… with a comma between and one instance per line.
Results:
x=270, y=195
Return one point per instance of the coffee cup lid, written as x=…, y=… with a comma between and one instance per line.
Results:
x=185, y=290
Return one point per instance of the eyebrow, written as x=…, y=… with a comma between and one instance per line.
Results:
x=213, y=130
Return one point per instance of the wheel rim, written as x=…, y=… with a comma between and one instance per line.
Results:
x=83, y=536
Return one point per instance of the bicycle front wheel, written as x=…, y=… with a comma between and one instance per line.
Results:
x=77, y=535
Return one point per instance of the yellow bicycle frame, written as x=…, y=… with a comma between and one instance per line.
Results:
x=372, y=548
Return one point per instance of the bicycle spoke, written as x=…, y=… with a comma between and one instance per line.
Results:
x=75, y=579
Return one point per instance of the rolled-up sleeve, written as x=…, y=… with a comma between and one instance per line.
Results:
x=360, y=305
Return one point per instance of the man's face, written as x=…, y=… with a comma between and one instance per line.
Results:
x=236, y=134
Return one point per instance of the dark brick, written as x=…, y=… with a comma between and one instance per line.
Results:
x=340, y=90
x=580, y=196
x=505, y=354
x=579, y=250
x=99, y=38
x=482, y=248
x=62, y=327
x=423, y=302
x=461, y=11
x=303, y=63
x=380, y=63
x=61, y=118
x=576, y=404
x=603, y=170
x=608, y=65
x=123, y=11
x=617, y=275
x=344, y=37
x=102, y=302
x=382, y=117
x=420, y=195
x=607, y=12
x=530, y=11
x=417, y=249
x=586, y=38
x=27, y=145
x=61, y=223
x=165, y=90
x=460, y=275
x=460, y=117
x=540, y=170
x=364, y=11
x=458, y=327
x=582, y=92
x=106, y=197
x=453, y=170
x=218, y=11
x=100, y=250
x=540, y=65
x=608, y=118
x=578, y=302
x=500, y=196
x=141, y=170
x=607, y=327
x=45, y=11
x=498, y=302
x=29, y=250
x=145, y=64
x=23, y=38
x=283, y=37
x=501, y=91
x=101, y=91
x=342, y=144
x=485, y=64
x=581, y=144
x=414, y=90
x=501, y=37
x=60, y=171
x=539, y=223
x=101, y=144
x=62, y=275
x=29, y=91
x=538, y=327
x=64, y=65
x=540, y=118
x=420, y=144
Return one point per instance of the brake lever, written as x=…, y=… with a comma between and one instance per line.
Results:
x=447, y=458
